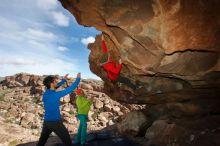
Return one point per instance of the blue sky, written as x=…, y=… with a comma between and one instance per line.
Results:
x=41, y=37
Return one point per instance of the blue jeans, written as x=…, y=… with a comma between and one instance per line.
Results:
x=82, y=130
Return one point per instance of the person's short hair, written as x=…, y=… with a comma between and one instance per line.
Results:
x=48, y=80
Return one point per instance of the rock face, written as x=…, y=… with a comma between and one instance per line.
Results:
x=13, y=134
x=170, y=47
x=133, y=123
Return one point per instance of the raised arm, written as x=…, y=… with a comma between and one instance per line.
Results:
x=61, y=83
x=101, y=64
x=104, y=47
x=64, y=80
x=70, y=88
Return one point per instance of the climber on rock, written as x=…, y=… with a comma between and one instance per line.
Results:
x=113, y=69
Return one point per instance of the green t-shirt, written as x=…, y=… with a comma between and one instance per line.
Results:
x=83, y=105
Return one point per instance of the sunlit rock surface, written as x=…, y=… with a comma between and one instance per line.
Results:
x=170, y=47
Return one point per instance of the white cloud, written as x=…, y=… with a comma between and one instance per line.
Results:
x=16, y=61
x=8, y=24
x=36, y=65
x=33, y=51
x=60, y=19
x=63, y=49
x=74, y=39
x=31, y=42
x=39, y=35
x=88, y=40
x=47, y=4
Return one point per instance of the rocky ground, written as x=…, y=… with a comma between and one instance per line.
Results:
x=21, y=108
x=21, y=112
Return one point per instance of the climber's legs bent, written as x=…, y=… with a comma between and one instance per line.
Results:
x=126, y=81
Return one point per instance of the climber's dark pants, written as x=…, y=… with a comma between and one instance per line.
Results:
x=126, y=81
x=56, y=127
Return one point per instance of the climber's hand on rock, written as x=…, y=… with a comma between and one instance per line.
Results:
x=120, y=61
x=101, y=64
x=109, y=57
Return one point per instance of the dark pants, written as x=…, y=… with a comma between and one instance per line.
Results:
x=56, y=127
x=126, y=81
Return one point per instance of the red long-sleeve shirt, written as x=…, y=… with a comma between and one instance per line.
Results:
x=112, y=69
x=104, y=47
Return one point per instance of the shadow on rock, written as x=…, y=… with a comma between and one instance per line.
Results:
x=93, y=139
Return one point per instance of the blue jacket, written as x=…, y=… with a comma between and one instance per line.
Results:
x=51, y=100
